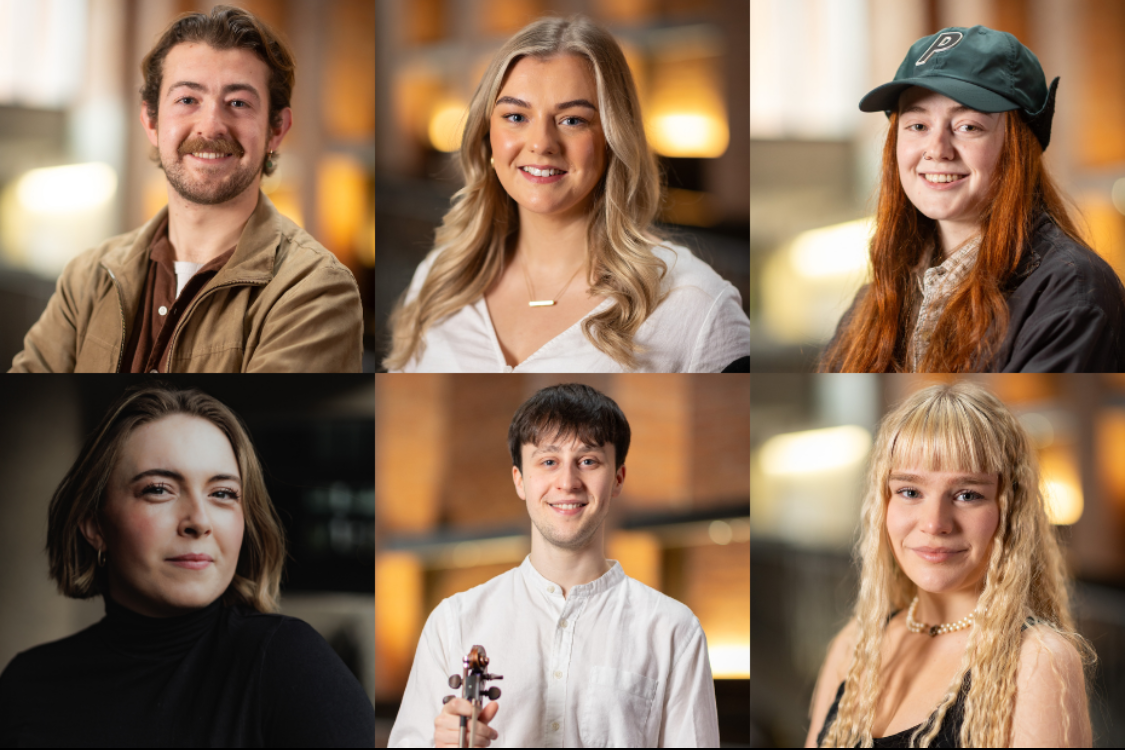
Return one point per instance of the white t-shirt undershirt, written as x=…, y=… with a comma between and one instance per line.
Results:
x=699, y=327
x=184, y=272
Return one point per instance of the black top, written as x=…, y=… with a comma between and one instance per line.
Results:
x=221, y=676
x=1066, y=309
x=948, y=735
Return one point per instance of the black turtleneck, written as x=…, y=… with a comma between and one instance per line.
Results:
x=221, y=676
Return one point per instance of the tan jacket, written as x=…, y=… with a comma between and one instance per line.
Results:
x=282, y=303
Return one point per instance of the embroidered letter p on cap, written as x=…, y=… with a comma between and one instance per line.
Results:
x=944, y=42
x=986, y=70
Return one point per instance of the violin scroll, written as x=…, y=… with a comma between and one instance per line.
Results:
x=471, y=681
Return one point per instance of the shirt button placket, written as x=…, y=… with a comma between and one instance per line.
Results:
x=557, y=686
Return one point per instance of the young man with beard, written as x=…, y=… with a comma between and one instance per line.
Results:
x=590, y=657
x=218, y=281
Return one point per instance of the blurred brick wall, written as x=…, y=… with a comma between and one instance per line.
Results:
x=442, y=455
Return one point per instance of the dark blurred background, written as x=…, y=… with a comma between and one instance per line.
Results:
x=811, y=437
x=815, y=158
x=315, y=437
x=74, y=161
x=449, y=518
x=689, y=58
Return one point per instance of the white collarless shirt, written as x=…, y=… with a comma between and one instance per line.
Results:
x=614, y=664
x=699, y=327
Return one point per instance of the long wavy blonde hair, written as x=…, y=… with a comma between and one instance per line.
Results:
x=471, y=243
x=961, y=427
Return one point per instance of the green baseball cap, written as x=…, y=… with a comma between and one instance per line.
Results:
x=983, y=69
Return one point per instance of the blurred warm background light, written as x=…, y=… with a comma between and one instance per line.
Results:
x=808, y=284
x=59, y=190
x=49, y=215
x=685, y=111
x=447, y=125
x=690, y=134
x=815, y=450
x=1064, y=503
x=729, y=661
x=1062, y=488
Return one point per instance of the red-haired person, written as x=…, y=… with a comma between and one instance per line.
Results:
x=976, y=263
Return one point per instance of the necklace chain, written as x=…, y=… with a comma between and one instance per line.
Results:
x=532, y=302
x=935, y=630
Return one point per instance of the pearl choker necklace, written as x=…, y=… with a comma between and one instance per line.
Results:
x=935, y=630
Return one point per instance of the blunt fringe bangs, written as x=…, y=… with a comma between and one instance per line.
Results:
x=949, y=432
x=225, y=28
x=80, y=495
x=565, y=412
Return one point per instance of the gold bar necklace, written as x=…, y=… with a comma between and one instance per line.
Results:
x=545, y=302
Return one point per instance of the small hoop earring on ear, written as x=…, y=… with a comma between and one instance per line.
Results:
x=492, y=162
x=101, y=558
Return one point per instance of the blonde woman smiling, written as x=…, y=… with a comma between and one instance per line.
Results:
x=962, y=634
x=548, y=260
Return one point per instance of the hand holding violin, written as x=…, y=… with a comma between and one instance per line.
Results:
x=462, y=722
x=447, y=725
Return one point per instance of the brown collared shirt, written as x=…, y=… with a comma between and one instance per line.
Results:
x=161, y=309
x=937, y=285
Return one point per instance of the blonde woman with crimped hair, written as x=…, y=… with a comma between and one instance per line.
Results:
x=962, y=634
x=548, y=259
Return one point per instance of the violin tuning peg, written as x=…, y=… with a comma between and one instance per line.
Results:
x=493, y=693
x=446, y=699
x=455, y=681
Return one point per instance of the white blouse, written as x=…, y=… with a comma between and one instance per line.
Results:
x=614, y=663
x=699, y=327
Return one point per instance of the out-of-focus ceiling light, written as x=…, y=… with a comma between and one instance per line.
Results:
x=687, y=134
x=446, y=125
x=808, y=283
x=60, y=190
x=811, y=451
x=1064, y=502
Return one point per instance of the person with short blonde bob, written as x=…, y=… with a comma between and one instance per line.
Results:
x=165, y=515
x=548, y=259
x=962, y=634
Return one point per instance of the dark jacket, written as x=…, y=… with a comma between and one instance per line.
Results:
x=1066, y=309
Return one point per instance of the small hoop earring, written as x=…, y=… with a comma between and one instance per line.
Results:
x=101, y=558
x=492, y=162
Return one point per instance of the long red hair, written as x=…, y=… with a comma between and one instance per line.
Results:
x=975, y=319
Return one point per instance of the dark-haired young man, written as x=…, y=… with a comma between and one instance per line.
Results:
x=590, y=657
x=218, y=281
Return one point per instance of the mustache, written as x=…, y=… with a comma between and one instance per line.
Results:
x=196, y=144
